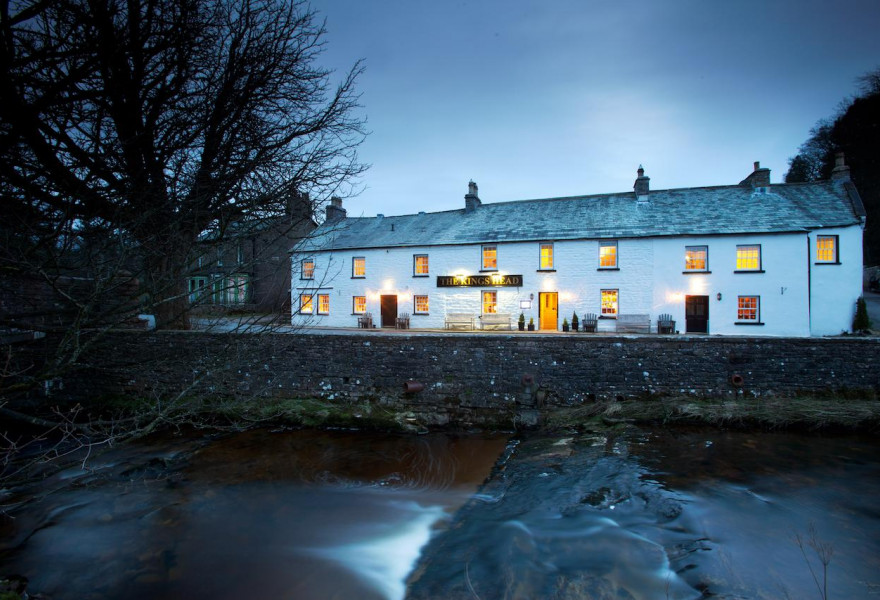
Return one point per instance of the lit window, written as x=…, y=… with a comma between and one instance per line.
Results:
x=359, y=305
x=609, y=303
x=359, y=267
x=420, y=264
x=420, y=304
x=490, y=303
x=323, y=304
x=308, y=269
x=546, y=257
x=748, y=308
x=748, y=258
x=305, y=304
x=826, y=248
x=490, y=258
x=607, y=255
x=696, y=258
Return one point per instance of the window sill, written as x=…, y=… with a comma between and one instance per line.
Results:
x=546, y=270
x=750, y=271
x=358, y=276
x=425, y=275
x=758, y=323
x=421, y=314
x=488, y=270
x=608, y=269
x=827, y=263
x=695, y=272
x=614, y=318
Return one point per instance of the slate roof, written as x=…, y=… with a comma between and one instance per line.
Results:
x=720, y=210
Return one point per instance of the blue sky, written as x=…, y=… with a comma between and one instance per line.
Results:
x=561, y=98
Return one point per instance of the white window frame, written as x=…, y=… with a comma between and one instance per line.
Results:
x=612, y=312
x=354, y=305
x=416, y=258
x=493, y=305
x=835, y=250
x=354, y=263
x=483, y=249
x=687, y=263
x=609, y=244
x=416, y=310
x=740, y=309
x=747, y=248
x=322, y=299
x=551, y=263
x=306, y=304
x=302, y=269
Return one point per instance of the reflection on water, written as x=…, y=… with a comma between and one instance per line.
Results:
x=640, y=514
x=291, y=515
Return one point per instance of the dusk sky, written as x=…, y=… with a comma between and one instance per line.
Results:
x=564, y=98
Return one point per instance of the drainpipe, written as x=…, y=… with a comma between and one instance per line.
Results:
x=809, y=287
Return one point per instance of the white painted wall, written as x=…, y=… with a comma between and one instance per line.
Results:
x=650, y=280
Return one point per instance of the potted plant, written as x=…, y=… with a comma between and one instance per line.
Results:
x=531, y=324
x=564, y=324
x=522, y=321
x=574, y=321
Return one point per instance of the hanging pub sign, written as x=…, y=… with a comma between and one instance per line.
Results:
x=493, y=280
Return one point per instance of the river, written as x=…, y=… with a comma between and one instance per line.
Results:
x=638, y=513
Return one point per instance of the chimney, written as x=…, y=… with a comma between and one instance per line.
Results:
x=642, y=184
x=334, y=210
x=471, y=200
x=841, y=170
x=298, y=207
x=759, y=178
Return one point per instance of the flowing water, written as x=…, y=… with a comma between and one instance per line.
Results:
x=339, y=515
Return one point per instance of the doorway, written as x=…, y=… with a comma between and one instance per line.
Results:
x=696, y=314
x=548, y=310
x=389, y=311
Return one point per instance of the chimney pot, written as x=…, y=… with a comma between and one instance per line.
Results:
x=334, y=211
x=642, y=184
x=471, y=200
x=841, y=170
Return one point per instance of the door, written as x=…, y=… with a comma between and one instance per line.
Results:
x=696, y=314
x=548, y=310
x=389, y=311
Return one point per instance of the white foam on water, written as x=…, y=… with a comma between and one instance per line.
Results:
x=385, y=560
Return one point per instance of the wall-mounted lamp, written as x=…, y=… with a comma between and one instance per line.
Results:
x=719, y=296
x=531, y=296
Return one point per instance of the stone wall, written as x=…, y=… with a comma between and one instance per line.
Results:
x=472, y=378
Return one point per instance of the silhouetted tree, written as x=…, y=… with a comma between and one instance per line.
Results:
x=129, y=128
x=855, y=131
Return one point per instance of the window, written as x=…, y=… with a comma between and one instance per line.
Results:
x=609, y=303
x=748, y=309
x=239, y=254
x=826, y=248
x=748, y=258
x=308, y=269
x=490, y=303
x=420, y=305
x=323, y=304
x=696, y=258
x=546, y=259
x=236, y=289
x=490, y=258
x=608, y=255
x=197, y=288
x=359, y=305
x=420, y=265
x=219, y=257
x=359, y=266
x=305, y=304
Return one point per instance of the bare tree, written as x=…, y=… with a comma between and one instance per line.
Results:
x=129, y=128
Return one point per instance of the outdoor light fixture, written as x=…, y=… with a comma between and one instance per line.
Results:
x=719, y=296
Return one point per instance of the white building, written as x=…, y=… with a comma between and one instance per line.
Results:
x=746, y=259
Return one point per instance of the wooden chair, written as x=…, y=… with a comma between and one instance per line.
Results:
x=590, y=323
x=365, y=321
x=665, y=324
x=403, y=321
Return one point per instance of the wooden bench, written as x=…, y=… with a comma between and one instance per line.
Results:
x=633, y=324
x=463, y=320
x=496, y=320
x=665, y=324
x=365, y=321
x=590, y=323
